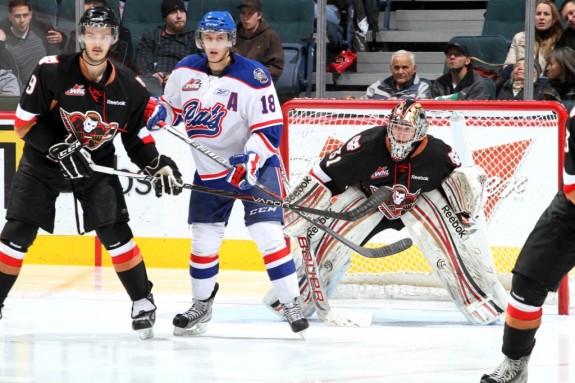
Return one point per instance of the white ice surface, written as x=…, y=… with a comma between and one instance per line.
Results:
x=64, y=325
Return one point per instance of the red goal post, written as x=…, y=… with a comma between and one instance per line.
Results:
x=518, y=143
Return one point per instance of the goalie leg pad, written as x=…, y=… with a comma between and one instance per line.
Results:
x=457, y=258
x=333, y=257
x=464, y=190
x=308, y=192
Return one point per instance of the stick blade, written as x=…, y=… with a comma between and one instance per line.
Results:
x=391, y=249
x=348, y=318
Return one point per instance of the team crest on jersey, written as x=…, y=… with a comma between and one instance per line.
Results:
x=381, y=172
x=76, y=90
x=89, y=128
x=193, y=85
x=203, y=122
x=400, y=201
x=353, y=144
x=454, y=157
x=261, y=76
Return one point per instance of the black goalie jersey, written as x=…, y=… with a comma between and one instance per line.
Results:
x=59, y=99
x=365, y=161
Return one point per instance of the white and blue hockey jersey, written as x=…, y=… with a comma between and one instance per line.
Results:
x=233, y=113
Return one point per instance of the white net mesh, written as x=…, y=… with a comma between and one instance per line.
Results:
x=518, y=144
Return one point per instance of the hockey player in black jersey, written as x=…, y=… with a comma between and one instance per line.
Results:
x=545, y=259
x=431, y=195
x=72, y=108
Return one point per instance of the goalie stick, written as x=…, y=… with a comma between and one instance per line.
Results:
x=377, y=252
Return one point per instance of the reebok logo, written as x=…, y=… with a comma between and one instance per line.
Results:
x=419, y=178
x=110, y=102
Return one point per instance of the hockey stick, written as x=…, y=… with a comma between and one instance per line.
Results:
x=377, y=252
x=377, y=198
x=382, y=195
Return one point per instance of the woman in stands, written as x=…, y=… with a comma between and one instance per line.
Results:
x=548, y=31
x=560, y=85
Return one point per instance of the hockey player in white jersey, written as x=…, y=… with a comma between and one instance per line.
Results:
x=229, y=105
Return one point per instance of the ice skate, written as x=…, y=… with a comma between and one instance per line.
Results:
x=1, y=306
x=195, y=320
x=144, y=317
x=509, y=371
x=294, y=316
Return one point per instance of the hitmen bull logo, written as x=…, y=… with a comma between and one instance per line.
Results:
x=89, y=128
x=401, y=200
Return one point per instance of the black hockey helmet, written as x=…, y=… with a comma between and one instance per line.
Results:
x=99, y=17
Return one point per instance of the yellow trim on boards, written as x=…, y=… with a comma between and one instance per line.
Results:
x=157, y=252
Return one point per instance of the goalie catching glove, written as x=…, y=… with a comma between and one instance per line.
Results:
x=168, y=177
x=73, y=159
x=244, y=173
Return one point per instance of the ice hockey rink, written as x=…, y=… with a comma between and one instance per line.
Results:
x=66, y=324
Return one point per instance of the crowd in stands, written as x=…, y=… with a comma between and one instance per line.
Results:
x=25, y=39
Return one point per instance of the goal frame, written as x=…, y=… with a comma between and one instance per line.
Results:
x=498, y=106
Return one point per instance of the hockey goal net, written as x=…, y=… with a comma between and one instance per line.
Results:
x=519, y=144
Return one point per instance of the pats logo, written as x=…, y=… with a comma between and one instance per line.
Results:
x=192, y=85
x=203, y=122
x=76, y=90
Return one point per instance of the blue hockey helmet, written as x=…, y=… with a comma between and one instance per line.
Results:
x=216, y=21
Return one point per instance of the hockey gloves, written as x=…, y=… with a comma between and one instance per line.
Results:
x=168, y=177
x=244, y=173
x=154, y=115
x=73, y=159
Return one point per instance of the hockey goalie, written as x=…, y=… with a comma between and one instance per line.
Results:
x=431, y=195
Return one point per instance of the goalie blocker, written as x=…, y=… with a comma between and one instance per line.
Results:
x=458, y=257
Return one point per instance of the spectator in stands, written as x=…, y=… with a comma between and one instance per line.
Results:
x=567, y=11
x=257, y=40
x=121, y=52
x=513, y=88
x=162, y=48
x=28, y=40
x=460, y=82
x=403, y=84
x=560, y=85
x=548, y=31
x=9, y=84
x=337, y=43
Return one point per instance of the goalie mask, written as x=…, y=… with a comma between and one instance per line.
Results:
x=407, y=125
x=98, y=17
x=217, y=22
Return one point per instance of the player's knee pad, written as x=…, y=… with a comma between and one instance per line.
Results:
x=309, y=192
x=18, y=235
x=528, y=291
x=268, y=236
x=207, y=238
x=115, y=235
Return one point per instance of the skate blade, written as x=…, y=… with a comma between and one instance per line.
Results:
x=146, y=333
x=192, y=331
x=302, y=334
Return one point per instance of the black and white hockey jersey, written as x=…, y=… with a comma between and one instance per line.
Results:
x=365, y=161
x=60, y=99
